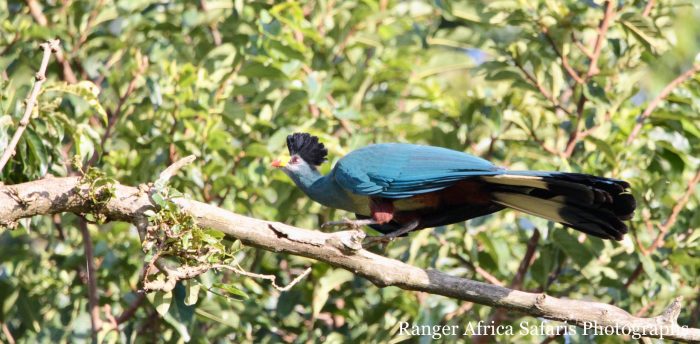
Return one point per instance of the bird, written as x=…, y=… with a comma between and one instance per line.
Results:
x=397, y=188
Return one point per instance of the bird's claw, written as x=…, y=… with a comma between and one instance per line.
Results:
x=377, y=240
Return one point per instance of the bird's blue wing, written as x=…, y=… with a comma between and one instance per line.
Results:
x=396, y=170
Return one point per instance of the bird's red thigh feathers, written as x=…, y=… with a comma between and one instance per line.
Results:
x=382, y=210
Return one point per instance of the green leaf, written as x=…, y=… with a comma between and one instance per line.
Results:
x=649, y=267
x=161, y=301
x=258, y=70
x=643, y=29
x=192, y=289
x=9, y=303
x=577, y=251
x=86, y=90
x=330, y=281
x=37, y=150
x=159, y=200
x=229, y=291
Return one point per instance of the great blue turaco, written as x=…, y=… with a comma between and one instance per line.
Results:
x=396, y=188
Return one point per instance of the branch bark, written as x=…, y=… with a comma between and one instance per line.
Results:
x=51, y=46
x=340, y=249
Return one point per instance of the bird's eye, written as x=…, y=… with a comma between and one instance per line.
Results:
x=294, y=160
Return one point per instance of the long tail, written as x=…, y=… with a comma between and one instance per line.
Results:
x=593, y=205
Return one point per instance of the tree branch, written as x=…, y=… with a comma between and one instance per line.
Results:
x=213, y=27
x=114, y=115
x=131, y=310
x=37, y=12
x=680, y=205
x=533, y=81
x=340, y=249
x=564, y=59
x=661, y=96
x=93, y=300
x=51, y=46
x=8, y=334
x=593, y=70
x=647, y=8
x=602, y=33
x=517, y=283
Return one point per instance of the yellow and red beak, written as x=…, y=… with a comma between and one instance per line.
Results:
x=279, y=163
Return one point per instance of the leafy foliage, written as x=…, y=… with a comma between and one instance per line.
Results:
x=228, y=81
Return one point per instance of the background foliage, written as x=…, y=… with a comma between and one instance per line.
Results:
x=143, y=83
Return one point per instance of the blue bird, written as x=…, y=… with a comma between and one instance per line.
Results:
x=396, y=188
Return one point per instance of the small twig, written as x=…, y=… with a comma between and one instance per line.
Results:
x=59, y=227
x=526, y=262
x=680, y=205
x=131, y=310
x=551, y=338
x=661, y=96
x=8, y=334
x=169, y=172
x=633, y=276
x=564, y=60
x=517, y=283
x=533, y=81
x=93, y=301
x=37, y=12
x=89, y=25
x=114, y=115
x=645, y=308
x=463, y=308
x=695, y=317
x=593, y=70
x=329, y=97
x=271, y=278
x=213, y=28
x=647, y=8
x=172, y=275
x=110, y=318
x=48, y=47
x=68, y=74
x=187, y=272
x=602, y=32
x=645, y=340
x=581, y=47
x=542, y=143
x=481, y=272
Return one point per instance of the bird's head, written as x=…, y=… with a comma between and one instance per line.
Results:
x=306, y=153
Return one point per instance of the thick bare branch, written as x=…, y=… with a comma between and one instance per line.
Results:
x=55, y=195
x=48, y=47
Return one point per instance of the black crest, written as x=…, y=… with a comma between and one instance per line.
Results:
x=307, y=147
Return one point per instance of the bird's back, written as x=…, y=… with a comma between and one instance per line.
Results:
x=398, y=170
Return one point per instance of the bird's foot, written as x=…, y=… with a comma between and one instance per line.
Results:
x=350, y=224
x=377, y=240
